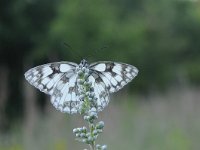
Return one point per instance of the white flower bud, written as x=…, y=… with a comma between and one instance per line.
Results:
x=100, y=125
x=84, y=140
x=90, y=139
x=95, y=132
x=104, y=147
x=80, y=81
x=90, y=99
x=88, y=134
x=98, y=146
x=99, y=131
x=79, y=129
x=84, y=128
x=82, y=135
x=94, y=110
x=80, y=72
x=87, y=93
x=86, y=118
x=75, y=130
x=93, y=115
x=95, y=137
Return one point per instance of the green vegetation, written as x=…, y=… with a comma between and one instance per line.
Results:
x=167, y=122
x=161, y=38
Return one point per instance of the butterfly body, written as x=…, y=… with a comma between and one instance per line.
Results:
x=60, y=81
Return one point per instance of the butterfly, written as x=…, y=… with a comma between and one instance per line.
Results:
x=59, y=80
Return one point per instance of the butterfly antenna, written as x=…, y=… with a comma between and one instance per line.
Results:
x=96, y=51
x=72, y=51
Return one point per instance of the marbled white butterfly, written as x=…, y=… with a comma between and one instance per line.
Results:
x=59, y=79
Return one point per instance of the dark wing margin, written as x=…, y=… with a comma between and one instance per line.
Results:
x=115, y=75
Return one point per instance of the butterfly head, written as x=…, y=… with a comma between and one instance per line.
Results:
x=84, y=63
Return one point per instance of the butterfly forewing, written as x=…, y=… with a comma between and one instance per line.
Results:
x=58, y=80
x=46, y=77
x=114, y=75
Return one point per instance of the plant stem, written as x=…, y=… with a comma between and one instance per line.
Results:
x=92, y=147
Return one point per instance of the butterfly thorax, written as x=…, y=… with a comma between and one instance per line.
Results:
x=83, y=67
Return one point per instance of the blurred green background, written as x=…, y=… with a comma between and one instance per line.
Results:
x=159, y=110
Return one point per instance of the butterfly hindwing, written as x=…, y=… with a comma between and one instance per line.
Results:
x=100, y=90
x=114, y=75
x=64, y=97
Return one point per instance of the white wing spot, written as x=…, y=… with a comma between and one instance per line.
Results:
x=128, y=80
x=117, y=70
x=45, y=81
x=50, y=84
x=68, y=98
x=60, y=85
x=128, y=69
x=73, y=96
x=113, y=81
x=64, y=68
x=123, y=83
x=34, y=79
x=118, y=78
x=40, y=87
x=129, y=75
x=112, y=89
x=35, y=73
x=100, y=67
x=66, y=109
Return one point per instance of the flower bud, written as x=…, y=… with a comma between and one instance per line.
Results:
x=90, y=139
x=84, y=129
x=80, y=73
x=104, y=147
x=88, y=134
x=80, y=81
x=100, y=125
x=82, y=135
x=75, y=130
x=98, y=146
x=84, y=140
x=86, y=118
x=95, y=132
x=99, y=131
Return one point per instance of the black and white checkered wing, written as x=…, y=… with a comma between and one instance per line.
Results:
x=100, y=90
x=114, y=75
x=58, y=80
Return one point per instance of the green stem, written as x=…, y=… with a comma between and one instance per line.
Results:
x=92, y=145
